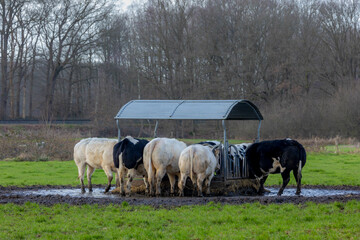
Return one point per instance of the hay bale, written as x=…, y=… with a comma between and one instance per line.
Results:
x=217, y=188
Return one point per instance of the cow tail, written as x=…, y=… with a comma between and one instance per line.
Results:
x=191, y=155
x=302, y=160
x=299, y=170
x=116, y=154
x=148, y=155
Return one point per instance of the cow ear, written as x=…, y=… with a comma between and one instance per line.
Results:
x=216, y=149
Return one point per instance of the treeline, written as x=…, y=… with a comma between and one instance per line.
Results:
x=298, y=61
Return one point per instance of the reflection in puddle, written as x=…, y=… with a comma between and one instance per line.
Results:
x=99, y=192
x=306, y=192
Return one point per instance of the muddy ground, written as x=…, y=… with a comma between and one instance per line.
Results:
x=14, y=195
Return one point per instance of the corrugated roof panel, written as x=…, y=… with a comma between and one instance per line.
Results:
x=199, y=109
x=148, y=109
x=190, y=109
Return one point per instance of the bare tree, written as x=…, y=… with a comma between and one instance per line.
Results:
x=8, y=12
x=69, y=30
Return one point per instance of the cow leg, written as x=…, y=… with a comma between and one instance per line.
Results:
x=117, y=179
x=298, y=177
x=109, y=175
x=122, y=173
x=128, y=185
x=286, y=179
x=90, y=171
x=200, y=180
x=81, y=169
x=151, y=180
x=146, y=182
x=160, y=173
x=207, y=183
x=193, y=178
x=172, y=183
x=181, y=184
x=262, y=190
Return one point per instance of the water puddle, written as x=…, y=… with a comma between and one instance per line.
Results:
x=99, y=193
x=76, y=193
x=307, y=192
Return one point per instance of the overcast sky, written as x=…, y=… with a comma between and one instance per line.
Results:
x=125, y=3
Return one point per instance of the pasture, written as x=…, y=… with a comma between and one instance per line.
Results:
x=212, y=221
x=309, y=220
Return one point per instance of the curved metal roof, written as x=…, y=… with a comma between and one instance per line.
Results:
x=190, y=109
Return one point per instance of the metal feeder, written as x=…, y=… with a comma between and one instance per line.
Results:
x=230, y=169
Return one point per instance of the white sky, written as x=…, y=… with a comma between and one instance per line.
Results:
x=124, y=4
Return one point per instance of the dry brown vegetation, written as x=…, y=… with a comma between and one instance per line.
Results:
x=38, y=143
x=56, y=142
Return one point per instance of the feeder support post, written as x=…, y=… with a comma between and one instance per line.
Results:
x=225, y=154
x=258, y=132
x=155, y=130
x=118, y=126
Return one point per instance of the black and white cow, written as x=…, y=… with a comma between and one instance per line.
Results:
x=211, y=144
x=128, y=157
x=277, y=156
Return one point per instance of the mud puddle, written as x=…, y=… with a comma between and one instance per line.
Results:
x=49, y=195
x=99, y=193
x=311, y=192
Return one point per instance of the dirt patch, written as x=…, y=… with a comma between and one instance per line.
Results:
x=16, y=195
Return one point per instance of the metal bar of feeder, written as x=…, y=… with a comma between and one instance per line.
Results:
x=225, y=156
x=119, y=132
x=155, y=130
x=258, y=133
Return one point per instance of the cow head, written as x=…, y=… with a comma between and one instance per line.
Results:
x=217, y=152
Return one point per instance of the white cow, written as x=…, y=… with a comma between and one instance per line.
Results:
x=95, y=153
x=161, y=156
x=199, y=162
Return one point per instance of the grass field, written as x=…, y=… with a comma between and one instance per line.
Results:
x=320, y=169
x=212, y=221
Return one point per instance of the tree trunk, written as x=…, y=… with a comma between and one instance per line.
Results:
x=4, y=62
x=23, y=114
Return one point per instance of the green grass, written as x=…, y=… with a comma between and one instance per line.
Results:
x=342, y=149
x=212, y=221
x=320, y=169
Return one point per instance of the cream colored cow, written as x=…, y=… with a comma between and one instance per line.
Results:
x=95, y=153
x=199, y=162
x=161, y=156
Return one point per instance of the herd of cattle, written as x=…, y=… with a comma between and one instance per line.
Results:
x=153, y=159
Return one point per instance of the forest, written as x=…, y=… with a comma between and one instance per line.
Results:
x=298, y=61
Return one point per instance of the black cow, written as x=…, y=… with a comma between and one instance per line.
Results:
x=277, y=156
x=128, y=157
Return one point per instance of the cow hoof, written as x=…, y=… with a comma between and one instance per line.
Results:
x=90, y=190
x=297, y=193
x=266, y=190
x=83, y=191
